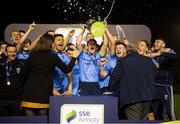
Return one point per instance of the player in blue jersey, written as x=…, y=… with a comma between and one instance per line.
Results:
x=89, y=66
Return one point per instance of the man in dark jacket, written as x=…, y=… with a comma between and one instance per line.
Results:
x=164, y=81
x=11, y=83
x=135, y=75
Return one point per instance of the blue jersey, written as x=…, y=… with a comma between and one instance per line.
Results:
x=108, y=68
x=60, y=78
x=22, y=56
x=89, y=67
x=102, y=81
x=75, y=79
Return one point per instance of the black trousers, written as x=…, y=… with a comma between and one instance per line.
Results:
x=137, y=111
x=10, y=107
x=164, y=107
x=35, y=111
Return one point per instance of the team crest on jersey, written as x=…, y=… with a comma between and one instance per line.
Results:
x=18, y=70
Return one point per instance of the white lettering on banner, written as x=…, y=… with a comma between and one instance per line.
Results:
x=82, y=114
x=89, y=120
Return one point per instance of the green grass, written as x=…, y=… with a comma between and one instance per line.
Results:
x=177, y=105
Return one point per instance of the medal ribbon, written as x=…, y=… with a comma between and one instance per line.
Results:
x=8, y=70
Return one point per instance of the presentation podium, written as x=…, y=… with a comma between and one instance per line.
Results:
x=78, y=110
x=87, y=108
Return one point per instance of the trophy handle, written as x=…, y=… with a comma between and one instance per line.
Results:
x=89, y=23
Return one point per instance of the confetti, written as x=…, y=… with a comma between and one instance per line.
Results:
x=83, y=9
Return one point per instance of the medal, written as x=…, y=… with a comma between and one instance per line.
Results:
x=8, y=83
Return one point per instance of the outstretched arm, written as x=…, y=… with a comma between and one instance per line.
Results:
x=33, y=44
x=80, y=37
x=23, y=38
x=104, y=46
x=31, y=27
x=112, y=40
x=66, y=40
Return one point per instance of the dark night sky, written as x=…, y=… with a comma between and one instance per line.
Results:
x=161, y=16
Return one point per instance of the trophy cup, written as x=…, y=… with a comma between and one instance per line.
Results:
x=97, y=28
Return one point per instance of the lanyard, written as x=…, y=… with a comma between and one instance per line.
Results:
x=8, y=70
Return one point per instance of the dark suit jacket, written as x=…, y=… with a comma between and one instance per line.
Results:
x=135, y=76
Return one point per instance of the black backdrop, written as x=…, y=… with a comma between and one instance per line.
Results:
x=161, y=16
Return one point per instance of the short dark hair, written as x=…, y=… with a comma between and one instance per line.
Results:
x=146, y=42
x=92, y=40
x=57, y=35
x=160, y=38
x=1, y=43
x=68, y=46
x=24, y=43
x=120, y=43
x=48, y=31
x=22, y=31
x=10, y=45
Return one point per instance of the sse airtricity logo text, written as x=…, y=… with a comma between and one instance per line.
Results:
x=82, y=114
x=71, y=116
